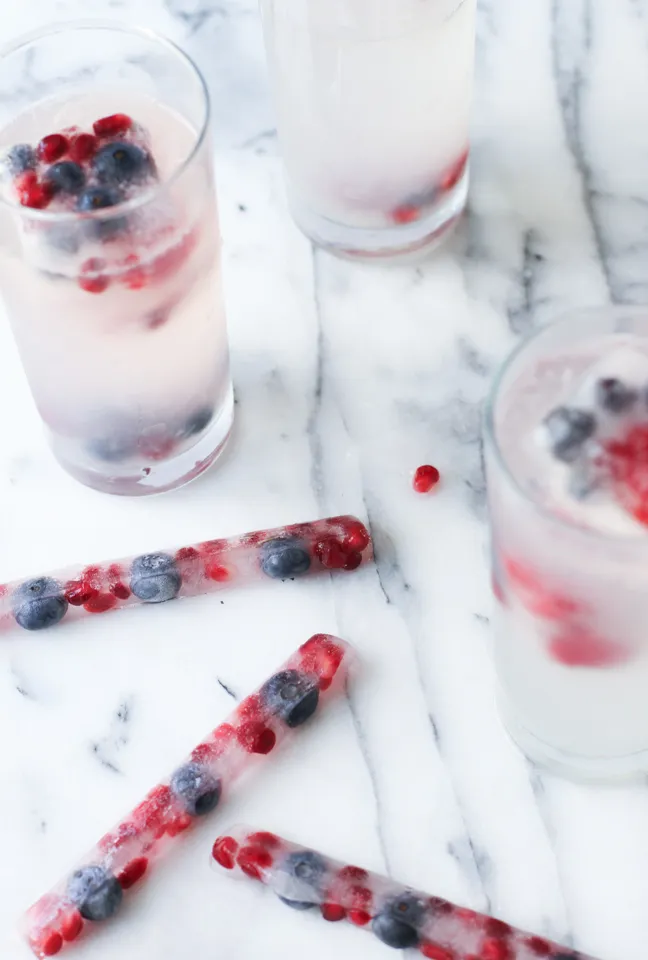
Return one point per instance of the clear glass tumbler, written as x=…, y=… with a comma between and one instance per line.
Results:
x=110, y=253
x=373, y=101
x=566, y=439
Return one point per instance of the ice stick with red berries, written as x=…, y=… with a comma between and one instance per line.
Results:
x=337, y=543
x=124, y=856
x=398, y=916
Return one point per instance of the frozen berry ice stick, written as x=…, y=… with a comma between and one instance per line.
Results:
x=124, y=856
x=338, y=543
x=398, y=916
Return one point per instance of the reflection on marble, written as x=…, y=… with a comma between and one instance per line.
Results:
x=347, y=378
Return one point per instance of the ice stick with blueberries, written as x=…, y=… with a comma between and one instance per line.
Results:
x=398, y=916
x=124, y=856
x=338, y=543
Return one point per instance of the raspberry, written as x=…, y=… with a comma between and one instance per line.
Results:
x=224, y=852
x=425, y=478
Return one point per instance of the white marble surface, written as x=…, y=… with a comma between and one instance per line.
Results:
x=347, y=378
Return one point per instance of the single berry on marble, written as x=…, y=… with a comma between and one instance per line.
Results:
x=119, y=164
x=398, y=921
x=39, y=603
x=292, y=696
x=568, y=429
x=306, y=869
x=197, y=789
x=425, y=478
x=95, y=892
x=52, y=147
x=20, y=159
x=614, y=396
x=112, y=126
x=284, y=557
x=155, y=578
x=65, y=177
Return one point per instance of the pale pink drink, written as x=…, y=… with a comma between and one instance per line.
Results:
x=110, y=254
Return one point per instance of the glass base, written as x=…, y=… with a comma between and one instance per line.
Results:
x=584, y=769
x=167, y=474
x=410, y=241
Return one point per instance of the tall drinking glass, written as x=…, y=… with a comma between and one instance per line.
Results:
x=372, y=100
x=110, y=253
x=567, y=461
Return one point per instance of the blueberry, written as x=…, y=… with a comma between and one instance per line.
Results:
x=20, y=158
x=120, y=163
x=101, y=198
x=396, y=924
x=154, y=578
x=196, y=423
x=39, y=603
x=63, y=236
x=65, y=177
x=114, y=446
x=614, y=396
x=197, y=789
x=292, y=696
x=306, y=870
x=284, y=557
x=297, y=904
x=95, y=892
x=568, y=429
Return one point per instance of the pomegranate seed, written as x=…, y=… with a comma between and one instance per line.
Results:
x=434, y=952
x=100, y=603
x=50, y=944
x=265, y=839
x=356, y=535
x=30, y=192
x=361, y=897
x=223, y=735
x=253, y=860
x=333, y=912
x=360, y=917
x=627, y=463
x=331, y=553
x=535, y=596
x=321, y=656
x=52, y=148
x=186, y=553
x=353, y=560
x=78, y=592
x=224, y=852
x=72, y=926
x=120, y=590
x=82, y=147
x=469, y=917
x=454, y=174
x=407, y=213
x=255, y=737
x=152, y=810
x=217, y=572
x=497, y=928
x=494, y=949
x=204, y=752
x=134, y=275
x=425, y=478
x=179, y=824
x=353, y=873
x=132, y=872
x=541, y=948
x=112, y=126
x=172, y=259
x=576, y=647
x=91, y=278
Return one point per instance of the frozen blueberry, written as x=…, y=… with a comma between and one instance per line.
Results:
x=197, y=789
x=65, y=177
x=568, y=430
x=297, y=904
x=20, y=158
x=292, y=696
x=398, y=921
x=39, y=603
x=197, y=422
x=120, y=163
x=95, y=892
x=307, y=870
x=284, y=557
x=614, y=396
x=155, y=577
x=63, y=236
x=101, y=198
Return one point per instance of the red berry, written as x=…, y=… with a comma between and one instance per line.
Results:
x=132, y=872
x=100, y=602
x=264, y=839
x=186, y=553
x=112, y=126
x=536, y=596
x=224, y=852
x=333, y=912
x=577, y=646
x=222, y=736
x=82, y=147
x=30, y=192
x=71, y=926
x=495, y=949
x=353, y=560
x=253, y=860
x=331, y=553
x=152, y=811
x=356, y=536
x=52, y=148
x=425, y=478
x=78, y=592
x=179, y=824
x=255, y=737
x=91, y=278
x=627, y=462
x=434, y=952
x=360, y=897
x=217, y=572
x=541, y=948
x=133, y=275
x=321, y=656
x=454, y=173
x=353, y=873
x=120, y=590
x=49, y=944
x=497, y=928
x=360, y=917
x=406, y=213
x=168, y=262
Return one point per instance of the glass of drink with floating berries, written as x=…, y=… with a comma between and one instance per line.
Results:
x=567, y=462
x=372, y=100
x=110, y=253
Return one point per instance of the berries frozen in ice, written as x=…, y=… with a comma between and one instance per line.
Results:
x=615, y=396
x=197, y=789
x=292, y=696
x=307, y=869
x=119, y=164
x=52, y=147
x=155, y=577
x=39, y=603
x=95, y=892
x=20, y=158
x=568, y=429
x=398, y=921
x=284, y=557
x=65, y=177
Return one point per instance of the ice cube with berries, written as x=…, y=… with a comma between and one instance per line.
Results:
x=398, y=916
x=94, y=891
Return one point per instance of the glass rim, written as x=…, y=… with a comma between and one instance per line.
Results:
x=144, y=198
x=572, y=318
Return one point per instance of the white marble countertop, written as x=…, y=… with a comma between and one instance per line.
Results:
x=347, y=378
